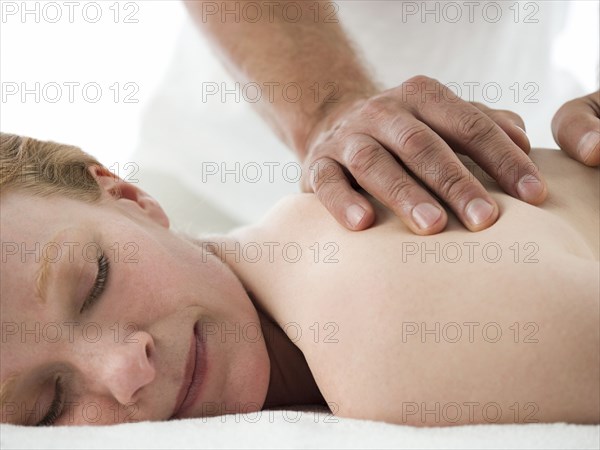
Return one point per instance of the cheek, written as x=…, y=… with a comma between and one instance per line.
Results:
x=150, y=277
x=236, y=335
x=217, y=288
x=156, y=283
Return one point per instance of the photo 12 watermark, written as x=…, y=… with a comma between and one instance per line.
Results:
x=469, y=412
x=72, y=413
x=290, y=252
x=269, y=91
x=316, y=332
x=75, y=92
x=29, y=12
x=472, y=252
x=422, y=89
x=268, y=11
x=469, y=12
x=468, y=332
x=69, y=332
x=53, y=252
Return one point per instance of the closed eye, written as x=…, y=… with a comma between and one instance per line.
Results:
x=99, y=283
x=55, y=410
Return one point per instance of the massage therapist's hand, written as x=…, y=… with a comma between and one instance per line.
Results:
x=421, y=124
x=576, y=129
x=362, y=134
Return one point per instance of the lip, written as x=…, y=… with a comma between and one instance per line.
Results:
x=193, y=377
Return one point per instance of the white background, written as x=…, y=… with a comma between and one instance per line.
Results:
x=106, y=52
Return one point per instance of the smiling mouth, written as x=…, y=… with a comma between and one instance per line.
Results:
x=193, y=377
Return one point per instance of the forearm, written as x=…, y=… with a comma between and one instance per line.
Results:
x=301, y=48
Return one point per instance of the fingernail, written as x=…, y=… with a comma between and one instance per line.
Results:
x=354, y=215
x=587, y=144
x=425, y=215
x=478, y=211
x=529, y=187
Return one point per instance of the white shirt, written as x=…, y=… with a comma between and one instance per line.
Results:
x=500, y=53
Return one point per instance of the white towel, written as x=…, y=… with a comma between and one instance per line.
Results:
x=298, y=429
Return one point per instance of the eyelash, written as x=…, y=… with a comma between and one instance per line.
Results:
x=99, y=284
x=55, y=407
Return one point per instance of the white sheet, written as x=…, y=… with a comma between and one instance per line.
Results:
x=298, y=429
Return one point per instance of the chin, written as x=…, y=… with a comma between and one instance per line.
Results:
x=250, y=381
x=245, y=393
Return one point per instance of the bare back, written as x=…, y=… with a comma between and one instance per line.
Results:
x=498, y=326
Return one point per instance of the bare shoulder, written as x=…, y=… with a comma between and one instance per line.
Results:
x=571, y=211
x=294, y=203
x=299, y=214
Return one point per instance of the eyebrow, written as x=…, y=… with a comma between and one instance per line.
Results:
x=41, y=283
x=43, y=273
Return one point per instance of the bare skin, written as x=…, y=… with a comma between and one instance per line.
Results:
x=358, y=351
x=373, y=358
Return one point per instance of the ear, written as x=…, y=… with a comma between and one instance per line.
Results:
x=128, y=194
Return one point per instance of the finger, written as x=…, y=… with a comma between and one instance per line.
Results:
x=328, y=181
x=465, y=127
x=376, y=171
x=436, y=165
x=510, y=122
x=576, y=129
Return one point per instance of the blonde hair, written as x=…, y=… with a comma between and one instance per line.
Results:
x=45, y=168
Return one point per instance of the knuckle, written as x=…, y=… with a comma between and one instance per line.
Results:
x=428, y=155
x=453, y=187
x=418, y=90
x=415, y=140
x=331, y=198
x=399, y=192
x=506, y=164
x=375, y=107
x=363, y=157
x=592, y=101
x=419, y=85
x=334, y=196
x=473, y=125
x=419, y=79
x=323, y=171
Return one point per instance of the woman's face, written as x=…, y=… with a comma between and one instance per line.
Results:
x=170, y=322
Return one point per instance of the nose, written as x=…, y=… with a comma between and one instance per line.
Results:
x=123, y=368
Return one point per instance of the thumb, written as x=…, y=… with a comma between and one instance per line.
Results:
x=576, y=129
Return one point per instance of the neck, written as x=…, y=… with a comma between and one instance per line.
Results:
x=291, y=382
